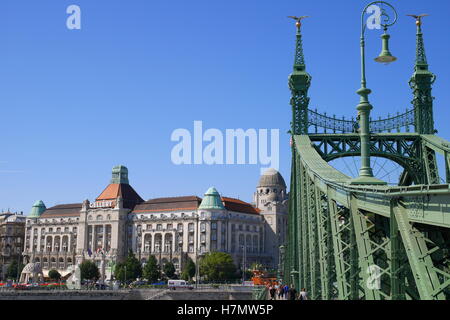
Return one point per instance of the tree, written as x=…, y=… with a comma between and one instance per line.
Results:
x=89, y=270
x=188, y=270
x=151, y=270
x=54, y=275
x=14, y=270
x=169, y=270
x=217, y=266
x=130, y=269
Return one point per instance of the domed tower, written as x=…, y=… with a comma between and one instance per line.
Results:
x=212, y=200
x=37, y=209
x=271, y=190
x=272, y=199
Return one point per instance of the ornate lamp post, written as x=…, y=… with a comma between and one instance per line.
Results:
x=364, y=107
x=280, y=262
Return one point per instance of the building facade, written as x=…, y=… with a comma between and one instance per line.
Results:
x=171, y=229
x=12, y=236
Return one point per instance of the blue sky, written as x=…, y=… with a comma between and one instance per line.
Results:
x=74, y=103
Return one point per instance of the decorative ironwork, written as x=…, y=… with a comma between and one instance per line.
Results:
x=361, y=241
x=299, y=83
x=336, y=125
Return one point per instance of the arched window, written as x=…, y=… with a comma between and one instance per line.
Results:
x=49, y=243
x=148, y=243
x=89, y=217
x=99, y=217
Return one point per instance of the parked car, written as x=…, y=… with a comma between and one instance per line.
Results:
x=180, y=284
x=101, y=286
x=139, y=283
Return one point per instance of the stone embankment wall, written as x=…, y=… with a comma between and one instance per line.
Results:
x=125, y=295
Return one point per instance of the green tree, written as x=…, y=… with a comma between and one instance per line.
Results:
x=54, y=275
x=217, y=266
x=151, y=270
x=130, y=269
x=188, y=270
x=169, y=270
x=14, y=270
x=89, y=270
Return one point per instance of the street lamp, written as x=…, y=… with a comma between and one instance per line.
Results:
x=197, y=267
x=244, y=249
x=366, y=174
x=280, y=263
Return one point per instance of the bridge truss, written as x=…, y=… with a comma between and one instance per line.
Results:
x=362, y=241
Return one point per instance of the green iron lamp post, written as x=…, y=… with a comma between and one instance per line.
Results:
x=364, y=107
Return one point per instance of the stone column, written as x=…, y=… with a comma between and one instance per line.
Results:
x=104, y=238
x=93, y=238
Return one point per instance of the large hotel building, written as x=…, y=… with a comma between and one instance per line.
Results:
x=171, y=229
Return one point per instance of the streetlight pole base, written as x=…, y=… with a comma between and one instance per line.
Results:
x=363, y=180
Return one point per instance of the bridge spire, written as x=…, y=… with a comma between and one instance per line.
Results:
x=421, y=83
x=299, y=83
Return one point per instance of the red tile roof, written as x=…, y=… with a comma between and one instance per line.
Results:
x=123, y=190
x=63, y=210
x=239, y=206
x=169, y=204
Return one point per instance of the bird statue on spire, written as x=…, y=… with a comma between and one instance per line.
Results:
x=418, y=18
x=298, y=19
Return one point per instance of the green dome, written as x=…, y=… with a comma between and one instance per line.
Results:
x=212, y=200
x=37, y=209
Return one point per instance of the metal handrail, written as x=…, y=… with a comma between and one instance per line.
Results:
x=391, y=123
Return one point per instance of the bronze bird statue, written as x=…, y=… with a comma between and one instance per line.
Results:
x=298, y=19
x=418, y=18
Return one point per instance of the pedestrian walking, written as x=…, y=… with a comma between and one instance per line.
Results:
x=281, y=292
x=303, y=295
x=272, y=292
x=286, y=292
x=292, y=293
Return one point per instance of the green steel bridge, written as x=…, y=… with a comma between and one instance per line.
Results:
x=357, y=241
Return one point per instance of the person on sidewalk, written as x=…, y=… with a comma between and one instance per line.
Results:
x=303, y=295
x=292, y=293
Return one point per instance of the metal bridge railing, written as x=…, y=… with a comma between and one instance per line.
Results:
x=259, y=293
x=336, y=125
